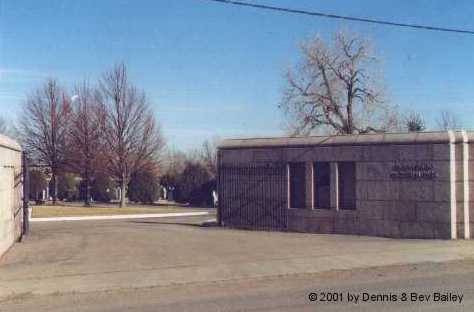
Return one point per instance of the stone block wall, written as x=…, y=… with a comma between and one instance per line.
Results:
x=408, y=208
x=470, y=199
x=385, y=205
x=11, y=213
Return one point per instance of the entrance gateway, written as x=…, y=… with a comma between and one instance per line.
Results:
x=404, y=185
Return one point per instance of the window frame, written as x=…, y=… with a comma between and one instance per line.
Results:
x=302, y=189
x=315, y=201
x=342, y=204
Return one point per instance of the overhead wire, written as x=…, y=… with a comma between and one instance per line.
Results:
x=342, y=17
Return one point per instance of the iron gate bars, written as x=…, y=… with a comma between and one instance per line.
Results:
x=254, y=196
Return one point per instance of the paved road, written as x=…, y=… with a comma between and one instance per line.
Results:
x=139, y=257
x=288, y=293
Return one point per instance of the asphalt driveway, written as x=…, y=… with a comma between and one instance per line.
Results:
x=88, y=256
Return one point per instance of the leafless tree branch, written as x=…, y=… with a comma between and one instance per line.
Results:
x=132, y=135
x=333, y=87
x=44, y=128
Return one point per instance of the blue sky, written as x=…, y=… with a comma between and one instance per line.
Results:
x=216, y=70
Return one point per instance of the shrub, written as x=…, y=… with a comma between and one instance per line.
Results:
x=103, y=189
x=193, y=184
x=68, y=187
x=143, y=187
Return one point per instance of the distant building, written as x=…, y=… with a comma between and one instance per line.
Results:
x=409, y=185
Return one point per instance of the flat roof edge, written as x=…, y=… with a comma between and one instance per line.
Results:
x=9, y=143
x=439, y=137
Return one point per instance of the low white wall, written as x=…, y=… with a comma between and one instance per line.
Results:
x=11, y=216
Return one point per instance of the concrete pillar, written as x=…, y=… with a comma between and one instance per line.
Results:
x=334, y=185
x=466, y=197
x=452, y=169
x=309, y=172
x=288, y=185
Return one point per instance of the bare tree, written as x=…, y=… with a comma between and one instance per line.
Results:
x=131, y=132
x=174, y=161
x=44, y=127
x=208, y=155
x=447, y=120
x=86, y=152
x=334, y=88
x=9, y=128
x=414, y=122
x=3, y=126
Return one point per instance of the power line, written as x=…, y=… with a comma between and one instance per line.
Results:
x=348, y=18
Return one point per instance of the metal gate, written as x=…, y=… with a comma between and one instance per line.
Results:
x=254, y=196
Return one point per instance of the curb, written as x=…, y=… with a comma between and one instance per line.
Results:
x=119, y=217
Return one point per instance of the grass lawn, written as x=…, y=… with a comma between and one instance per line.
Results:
x=74, y=210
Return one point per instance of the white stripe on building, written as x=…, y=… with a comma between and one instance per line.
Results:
x=452, y=169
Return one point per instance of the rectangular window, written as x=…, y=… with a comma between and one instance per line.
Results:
x=322, y=185
x=347, y=185
x=297, y=172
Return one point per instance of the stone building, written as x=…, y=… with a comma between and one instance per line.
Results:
x=409, y=185
x=11, y=190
